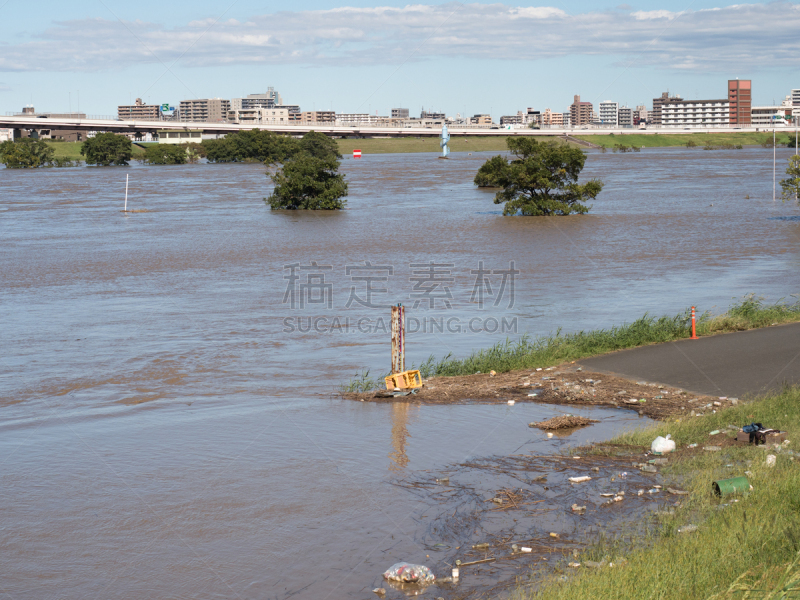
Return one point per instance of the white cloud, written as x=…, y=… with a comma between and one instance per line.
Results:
x=734, y=37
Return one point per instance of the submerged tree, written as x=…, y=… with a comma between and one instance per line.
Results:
x=308, y=183
x=791, y=185
x=27, y=153
x=106, y=149
x=542, y=179
x=165, y=154
x=255, y=145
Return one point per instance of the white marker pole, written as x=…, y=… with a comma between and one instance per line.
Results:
x=126, y=193
x=774, y=167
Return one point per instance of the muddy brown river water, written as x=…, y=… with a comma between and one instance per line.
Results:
x=167, y=423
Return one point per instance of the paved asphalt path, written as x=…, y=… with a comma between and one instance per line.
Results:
x=732, y=364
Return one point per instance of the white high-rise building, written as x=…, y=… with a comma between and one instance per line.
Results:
x=609, y=113
x=795, y=97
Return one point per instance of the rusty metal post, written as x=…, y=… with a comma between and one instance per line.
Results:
x=398, y=339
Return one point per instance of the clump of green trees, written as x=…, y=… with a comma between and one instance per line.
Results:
x=30, y=153
x=106, y=149
x=165, y=154
x=309, y=178
x=791, y=185
x=541, y=178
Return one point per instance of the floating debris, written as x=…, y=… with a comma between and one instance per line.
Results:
x=563, y=422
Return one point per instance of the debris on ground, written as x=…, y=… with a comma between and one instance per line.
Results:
x=662, y=445
x=562, y=422
x=580, y=479
x=409, y=573
x=566, y=384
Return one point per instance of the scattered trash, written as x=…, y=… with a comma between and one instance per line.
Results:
x=524, y=549
x=717, y=403
x=408, y=573
x=712, y=448
x=480, y=546
x=677, y=492
x=692, y=446
x=734, y=485
x=618, y=498
x=658, y=461
x=549, y=435
x=687, y=529
x=648, y=468
x=715, y=432
x=379, y=591
x=640, y=493
x=596, y=469
x=578, y=509
x=554, y=535
x=593, y=565
x=771, y=460
x=653, y=491
x=663, y=445
x=539, y=369
x=734, y=401
x=511, y=403
x=580, y=479
x=574, y=565
x=533, y=395
x=492, y=373
x=497, y=500
x=607, y=495
x=443, y=480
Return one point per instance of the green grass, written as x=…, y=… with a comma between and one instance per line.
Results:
x=750, y=544
x=412, y=144
x=557, y=348
x=701, y=139
x=72, y=150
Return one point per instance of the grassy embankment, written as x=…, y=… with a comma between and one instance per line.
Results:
x=678, y=139
x=752, y=544
x=558, y=348
x=431, y=144
x=72, y=150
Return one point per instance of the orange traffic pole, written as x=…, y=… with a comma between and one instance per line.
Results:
x=694, y=330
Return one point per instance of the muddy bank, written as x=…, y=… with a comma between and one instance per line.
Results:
x=511, y=519
x=566, y=385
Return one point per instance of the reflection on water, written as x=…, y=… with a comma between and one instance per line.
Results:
x=399, y=434
x=162, y=427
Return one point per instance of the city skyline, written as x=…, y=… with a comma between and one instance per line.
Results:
x=449, y=57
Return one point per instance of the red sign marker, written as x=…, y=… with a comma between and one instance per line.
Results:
x=356, y=153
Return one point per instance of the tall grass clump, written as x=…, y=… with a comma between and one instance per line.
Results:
x=559, y=347
x=752, y=544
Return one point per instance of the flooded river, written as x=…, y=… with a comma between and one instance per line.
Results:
x=167, y=420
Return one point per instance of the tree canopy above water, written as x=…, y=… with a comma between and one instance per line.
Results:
x=540, y=179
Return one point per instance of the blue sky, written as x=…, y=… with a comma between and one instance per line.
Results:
x=367, y=56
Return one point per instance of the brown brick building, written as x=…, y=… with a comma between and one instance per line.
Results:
x=658, y=103
x=740, y=99
x=580, y=113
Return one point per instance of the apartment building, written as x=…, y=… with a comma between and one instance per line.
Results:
x=259, y=116
x=206, y=110
x=640, y=114
x=695, y=113
x=180, y=137
x=399, y=113
x=655, y=118
x=481, y=119
x=580, y=113
x=552, y=119
x=314, y=116
x=431, y=115
x=269, y=100
x=740, y=101
x=609, y=113
x=625, y=117
x=139, y=111
x=770, y=116
x=516, y=119
x=795, y=97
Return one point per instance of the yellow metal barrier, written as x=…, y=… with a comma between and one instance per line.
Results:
x=404, y=380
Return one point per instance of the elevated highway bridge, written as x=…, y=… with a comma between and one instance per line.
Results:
x=33, y=122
